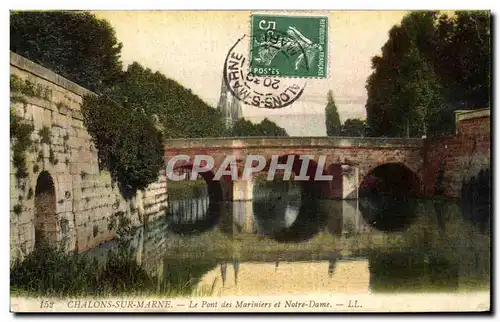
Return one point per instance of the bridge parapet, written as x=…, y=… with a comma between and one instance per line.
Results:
x=345, y=160
x=286, y=142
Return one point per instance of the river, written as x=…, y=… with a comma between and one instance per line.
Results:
x=284, y=242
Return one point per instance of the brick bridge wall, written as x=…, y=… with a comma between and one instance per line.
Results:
x=86, y=199
x=365, y=154
x=460, y=156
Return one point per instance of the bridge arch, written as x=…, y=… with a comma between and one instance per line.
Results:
x=204, y=212
x=387, y=195
x=203, y=218
x=214, y=186
x=395, y=179
x=309, y=215
x=45, y=220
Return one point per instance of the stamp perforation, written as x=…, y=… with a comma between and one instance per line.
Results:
x=308, y=41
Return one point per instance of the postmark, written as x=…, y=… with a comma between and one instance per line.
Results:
x=289, y=46
x=267, y=91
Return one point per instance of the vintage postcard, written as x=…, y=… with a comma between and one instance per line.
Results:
x=250, y=161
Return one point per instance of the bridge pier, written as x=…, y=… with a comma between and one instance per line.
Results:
x=237, y=217
x=242, y=190
x=345, y=182
x=350, y=181
x=243, y=216
x=345, y=218
x=344, y=186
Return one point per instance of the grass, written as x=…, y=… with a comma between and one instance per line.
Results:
x=50, y=272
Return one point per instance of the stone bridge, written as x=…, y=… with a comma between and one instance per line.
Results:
x=355, y=165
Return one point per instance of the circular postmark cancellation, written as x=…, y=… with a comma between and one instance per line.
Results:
x=269, y=91
x=269, y=45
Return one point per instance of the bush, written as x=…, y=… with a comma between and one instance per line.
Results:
x=128, y=143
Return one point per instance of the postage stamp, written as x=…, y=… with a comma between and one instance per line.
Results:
x=268, y=91
x=289, y=45
x=225, y=168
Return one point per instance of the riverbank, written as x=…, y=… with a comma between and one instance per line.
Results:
x=50, y=272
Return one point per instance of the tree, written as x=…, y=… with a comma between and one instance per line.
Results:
x=430, y=66
x=74, y=44
x=471, y=46
x=181, y=113
x=129, y=120
x=332, y=119
x=419, y=95
x=244, y=127
x=354, y=128
x=269, y=128
x=402, y=86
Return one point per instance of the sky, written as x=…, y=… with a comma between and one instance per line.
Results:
x=191, y=46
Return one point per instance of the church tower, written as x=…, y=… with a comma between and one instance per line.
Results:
x=229, y=106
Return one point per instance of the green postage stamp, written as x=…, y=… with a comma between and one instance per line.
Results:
x=293, y=46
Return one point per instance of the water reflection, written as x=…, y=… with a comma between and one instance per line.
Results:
x=259, y=247
x=404, y=270
x=193, y=216
x=291, y=215
x=388, y=213
x=476, y=199
x=263, y=278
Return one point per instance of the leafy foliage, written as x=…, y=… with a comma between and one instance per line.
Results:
x=20, y=134
x=266, y=127
x=128, y=143
x=73, y=44
x=130, y=119
x=269, y=128
x=29, y=88
x=180, y=113
x=354, y=128
x=431, y=65
x=44, y=134
x=332, y=119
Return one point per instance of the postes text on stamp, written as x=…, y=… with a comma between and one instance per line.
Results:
x=289, y=46
x=265, y=91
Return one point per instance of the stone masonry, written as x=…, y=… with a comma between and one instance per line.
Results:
x=461, y=156
x=88, y=204
x=350, y=160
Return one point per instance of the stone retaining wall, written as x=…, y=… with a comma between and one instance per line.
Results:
x=89, y=205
